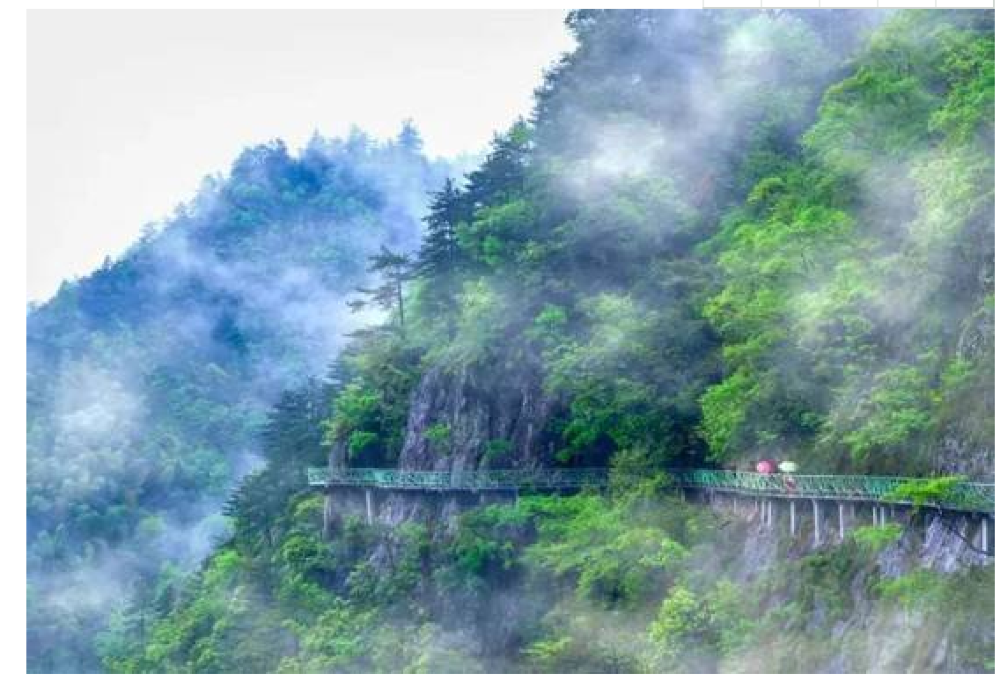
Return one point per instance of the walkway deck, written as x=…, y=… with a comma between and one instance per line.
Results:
x=963, y=496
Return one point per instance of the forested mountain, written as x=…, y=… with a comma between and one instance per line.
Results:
x=149, y=380
x=720, y=236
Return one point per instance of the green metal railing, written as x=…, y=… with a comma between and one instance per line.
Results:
x=472, y=481
x=968, y=496
x=962, y=496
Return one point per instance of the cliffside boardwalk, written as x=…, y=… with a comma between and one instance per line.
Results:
x=844, y=493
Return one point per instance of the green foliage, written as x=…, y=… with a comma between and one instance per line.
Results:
x=894, y=411
x=724, y=408
x=439, y=435
x=614, y=563
x=393, y=269
x=938, y=605
x=932, y=492
x=336, y=643
x=369, y=410
x=496, y=450
x=149, y=380
x=485, y=547
x=875, y=538
x=549, y=656
x=825, y=358
x=799, y=266
x=683, y=623
x=633, y=380
x=694, y=633
x=920, y=587
x=479, y=327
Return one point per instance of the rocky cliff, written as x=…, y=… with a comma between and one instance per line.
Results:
x=465, y=419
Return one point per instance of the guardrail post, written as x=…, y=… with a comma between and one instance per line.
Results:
x=816, y=522
x=327, y=515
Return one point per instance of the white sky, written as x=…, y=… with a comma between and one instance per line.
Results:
x=128, y=111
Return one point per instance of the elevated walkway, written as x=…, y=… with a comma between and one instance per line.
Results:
x=963, y=496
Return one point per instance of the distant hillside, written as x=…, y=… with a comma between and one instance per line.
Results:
x=148, y=380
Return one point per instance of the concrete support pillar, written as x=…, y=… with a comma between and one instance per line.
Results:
x=791, y=516
x=874, y=516
x=770, y=512
x=327, y=515
x=368, y=506
x=735, y=507
x=840, y=521
x=816, y=523
x=683, y=496
x=984, y=535
x=881, y=517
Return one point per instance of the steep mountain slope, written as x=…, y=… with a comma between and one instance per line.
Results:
x=798, y=274
x=721, y=235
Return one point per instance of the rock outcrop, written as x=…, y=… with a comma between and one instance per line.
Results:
x=465, y=419
x=475, y=418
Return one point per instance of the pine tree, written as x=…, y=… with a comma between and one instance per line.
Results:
x=393, y=269
x=439, y=262
x=439, y=252
x=502, y=174
x=409, y=138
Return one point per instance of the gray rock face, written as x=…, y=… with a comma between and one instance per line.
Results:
x=469, y=419
x=947, y=545
x=491, y=421
x=879, y=640
x=956, y=456
x=965, y=449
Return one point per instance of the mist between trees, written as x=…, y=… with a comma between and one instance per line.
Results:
x=719, y=236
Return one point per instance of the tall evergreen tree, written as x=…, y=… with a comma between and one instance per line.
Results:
x=502, y=174
x=409, y=137
x=393, y=270
x=439, y=262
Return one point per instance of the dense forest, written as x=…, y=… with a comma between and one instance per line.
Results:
x=150, y=379
x=719, y=236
